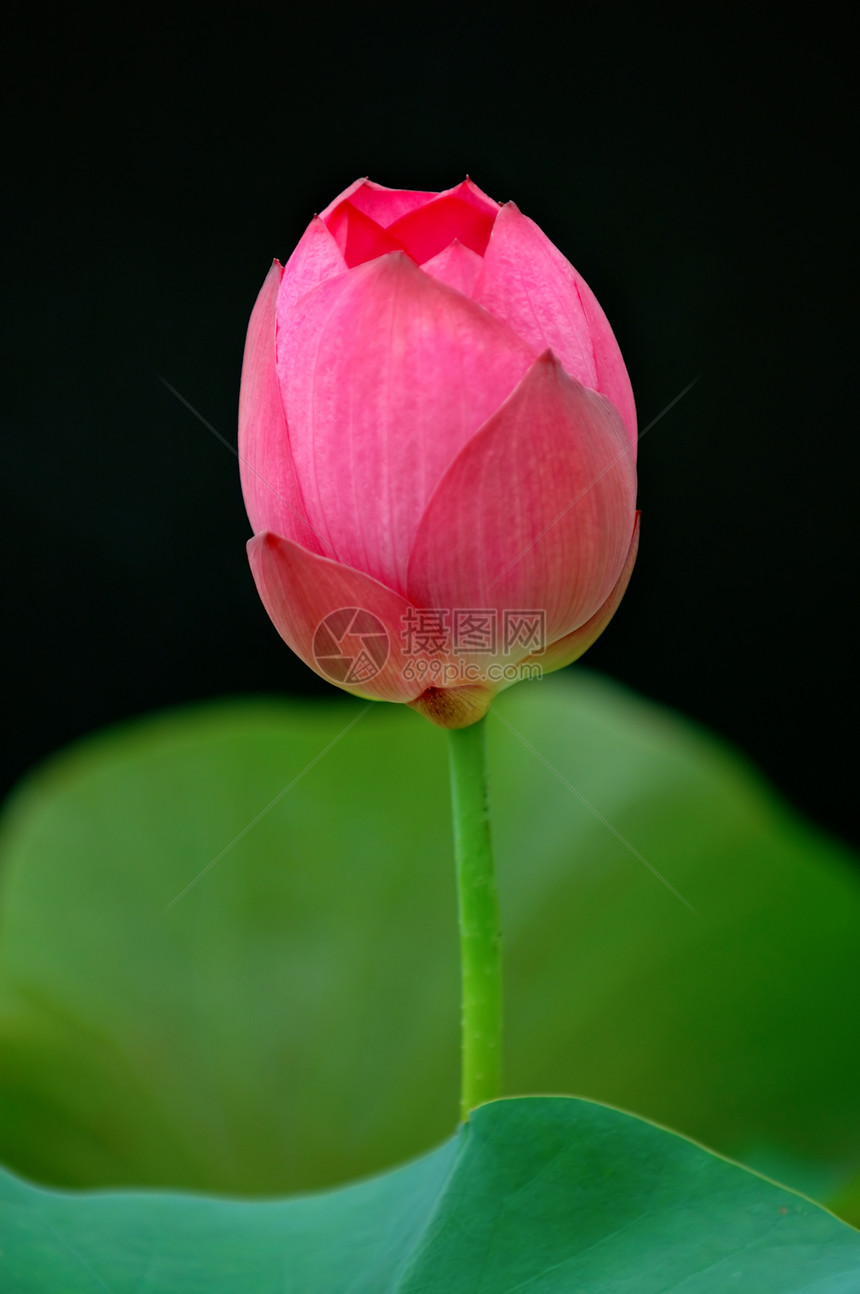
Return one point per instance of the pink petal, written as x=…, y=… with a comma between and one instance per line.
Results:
x=359, y=648
x=315, y=259
x=271, y=492
x=535, y=512
x=381, y=204
x=384, y=206
x=456, y=265
x=385, y=374
x=468, y=191
x=568, y=649
x=427, y=230
x=527, y=282
x=346, y=195
x=358, y=237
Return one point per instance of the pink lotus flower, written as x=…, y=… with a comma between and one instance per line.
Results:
x=437, y=435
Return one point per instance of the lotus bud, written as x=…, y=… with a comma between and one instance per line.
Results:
x=437, y=439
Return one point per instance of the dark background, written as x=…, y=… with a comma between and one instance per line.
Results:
x=693, y=162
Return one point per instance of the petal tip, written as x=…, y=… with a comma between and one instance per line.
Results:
x=266, y=539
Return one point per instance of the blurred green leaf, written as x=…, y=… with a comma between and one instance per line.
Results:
x=291, y=1021
x=548, y=1194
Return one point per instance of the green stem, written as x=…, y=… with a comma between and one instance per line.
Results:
x=480, y=940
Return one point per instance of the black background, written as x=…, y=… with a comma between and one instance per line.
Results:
x=694, y=163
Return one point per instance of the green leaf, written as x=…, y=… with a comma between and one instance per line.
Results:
x=546, y=1194
x=291, y=1021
